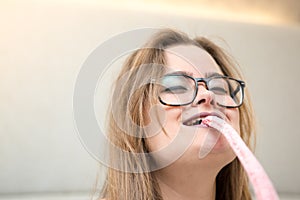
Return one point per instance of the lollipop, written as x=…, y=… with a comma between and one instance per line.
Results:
x=260, y=181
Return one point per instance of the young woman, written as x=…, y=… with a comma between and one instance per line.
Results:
x=159, y=149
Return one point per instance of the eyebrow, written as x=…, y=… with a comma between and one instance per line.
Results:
x=207, y=74
x=212, y=74
x=180, y=73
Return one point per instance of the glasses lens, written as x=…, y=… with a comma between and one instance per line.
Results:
x=228, y=92
x=177, y=90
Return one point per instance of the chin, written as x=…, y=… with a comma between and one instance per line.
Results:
x=219, y=156
x=221, y=146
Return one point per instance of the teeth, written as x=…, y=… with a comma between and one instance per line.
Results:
x=194, y=122
x=197, y=122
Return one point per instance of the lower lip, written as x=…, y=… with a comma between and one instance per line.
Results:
x=200, y=126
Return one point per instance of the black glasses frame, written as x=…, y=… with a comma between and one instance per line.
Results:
x=206, y=81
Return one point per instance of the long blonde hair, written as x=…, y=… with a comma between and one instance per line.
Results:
x=128, y=105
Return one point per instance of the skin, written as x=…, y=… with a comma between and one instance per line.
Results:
x=190, y=177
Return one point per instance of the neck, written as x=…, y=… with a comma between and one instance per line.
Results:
x=180, y=183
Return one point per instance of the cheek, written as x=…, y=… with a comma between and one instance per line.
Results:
x=163, y=128
x=234, y=117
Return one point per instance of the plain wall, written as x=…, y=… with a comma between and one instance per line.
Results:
x=42, y=48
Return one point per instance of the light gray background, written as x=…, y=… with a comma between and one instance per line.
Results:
x=42, y=47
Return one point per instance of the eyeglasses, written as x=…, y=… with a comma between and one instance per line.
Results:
x=181, y=89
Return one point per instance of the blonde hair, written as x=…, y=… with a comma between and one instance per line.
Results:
x=125, y=129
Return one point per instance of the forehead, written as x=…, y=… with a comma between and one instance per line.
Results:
x=190, y=59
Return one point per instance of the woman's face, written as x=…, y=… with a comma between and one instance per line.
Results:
x=196, y=62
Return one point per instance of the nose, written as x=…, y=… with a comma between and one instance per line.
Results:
x=204, y=96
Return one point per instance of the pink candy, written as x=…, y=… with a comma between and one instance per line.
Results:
x=261, y=183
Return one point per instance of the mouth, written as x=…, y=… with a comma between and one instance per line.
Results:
x=196, y=120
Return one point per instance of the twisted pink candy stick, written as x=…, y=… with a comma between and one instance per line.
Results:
x=261, y=183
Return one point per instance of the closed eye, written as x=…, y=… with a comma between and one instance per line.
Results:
x=219, y=90
x=175, y=89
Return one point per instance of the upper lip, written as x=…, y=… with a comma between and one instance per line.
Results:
x=202, y=115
